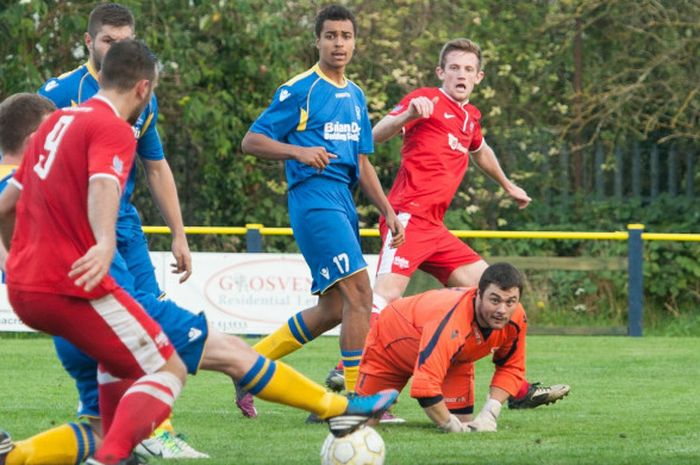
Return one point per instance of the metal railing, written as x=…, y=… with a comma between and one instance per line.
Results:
x=635, y=237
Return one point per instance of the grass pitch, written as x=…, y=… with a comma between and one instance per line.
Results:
x=633, y=401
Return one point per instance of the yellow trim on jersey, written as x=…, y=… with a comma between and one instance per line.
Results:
x=145, y=125
x=298, y=77
x=317, y=68
x=67, y=73
x=6, y=170
x=303, y=118
x=91, y=70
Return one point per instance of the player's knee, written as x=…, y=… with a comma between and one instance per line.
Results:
x=177, y=367
x=358, y=293
x=227, y=354
x=386, y=296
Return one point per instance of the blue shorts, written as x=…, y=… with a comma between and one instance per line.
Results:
x=133, y=247
x=324, y=219
x=187, y=332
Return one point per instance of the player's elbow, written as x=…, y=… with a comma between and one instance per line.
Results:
x=248, y=143
x=6, y=211
x=7, y=206
x=381, y=133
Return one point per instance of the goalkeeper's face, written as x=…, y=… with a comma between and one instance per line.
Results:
x=495, y=307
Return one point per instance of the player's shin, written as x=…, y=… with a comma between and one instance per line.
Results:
x=288, y=338
x=147, y=403
x=270, y=380
x=64, y=445
x=111, y=390
x=378, y=304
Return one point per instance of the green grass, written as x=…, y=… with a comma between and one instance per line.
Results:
x=633, y=401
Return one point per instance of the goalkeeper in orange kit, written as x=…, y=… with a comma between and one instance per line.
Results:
x=435, y=337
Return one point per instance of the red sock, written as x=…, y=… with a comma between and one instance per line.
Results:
x=111, y=390
x=145, y=405
x=523, y=390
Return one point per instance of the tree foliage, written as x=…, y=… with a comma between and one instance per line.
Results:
x=566, y=75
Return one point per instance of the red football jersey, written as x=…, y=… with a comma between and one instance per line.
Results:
x=435, y=155
x=73, y=146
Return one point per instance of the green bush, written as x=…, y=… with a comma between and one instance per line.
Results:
x=222, y=62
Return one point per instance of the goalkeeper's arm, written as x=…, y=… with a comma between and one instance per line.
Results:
x=486, y=419
x=437, y=410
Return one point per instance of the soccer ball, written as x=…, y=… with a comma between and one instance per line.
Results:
x=362, y=447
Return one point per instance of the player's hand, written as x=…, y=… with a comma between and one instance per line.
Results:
x=183, y=258
x=394, y=225
x=93, y=266
x=453, y=425
x=422, y=107
x=316, y=157
x=519, y=195
x=485, y=421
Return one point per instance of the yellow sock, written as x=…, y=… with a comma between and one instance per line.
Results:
x=351, y=367
x=64, y=445
x=273, y=381
x=288, y=338
x=167, y=425
x=351, y=375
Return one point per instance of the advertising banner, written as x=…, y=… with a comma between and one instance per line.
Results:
x=240, y=293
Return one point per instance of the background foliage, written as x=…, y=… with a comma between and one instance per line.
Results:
x=563, y=79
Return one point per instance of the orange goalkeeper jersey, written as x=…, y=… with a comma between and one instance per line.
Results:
x=449, y=336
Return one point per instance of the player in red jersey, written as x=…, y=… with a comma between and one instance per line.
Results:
x=441, y=132
x=20, y=115
x=435, y=337
x=62, y=205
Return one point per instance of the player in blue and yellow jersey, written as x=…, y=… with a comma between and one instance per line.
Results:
x=20, y=114
x=73, y=442
x=318, y=124
x=107, y=24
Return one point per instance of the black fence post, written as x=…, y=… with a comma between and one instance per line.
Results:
x=599, y=176
x=689, y=174
x=636, y=171
x=673, y=171
x=619, y=167
x=655, y=172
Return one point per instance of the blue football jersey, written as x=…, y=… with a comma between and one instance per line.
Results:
x=310, y=110
x=6, y=173
x=76, y=87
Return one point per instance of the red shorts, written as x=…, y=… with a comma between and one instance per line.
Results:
x=114, y=330
x=429, y=247
x=388, y=361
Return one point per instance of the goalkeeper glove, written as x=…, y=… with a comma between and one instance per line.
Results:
x=453, y=425
x=486, y=419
